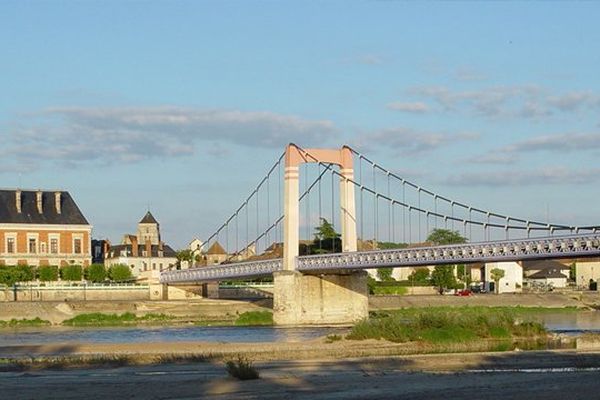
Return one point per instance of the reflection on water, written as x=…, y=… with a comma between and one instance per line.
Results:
x=571, y=322
x=162, y=334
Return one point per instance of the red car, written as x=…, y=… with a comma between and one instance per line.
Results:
x=465, y=292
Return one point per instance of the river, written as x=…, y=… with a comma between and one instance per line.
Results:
x=560, y=322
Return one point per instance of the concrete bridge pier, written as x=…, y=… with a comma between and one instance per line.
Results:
x=332, y=298
x=338, y=297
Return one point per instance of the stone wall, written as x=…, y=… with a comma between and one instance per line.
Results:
x=76, y=293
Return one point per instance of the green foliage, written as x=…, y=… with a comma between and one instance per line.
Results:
x=119, y=273
x=24, y=322
x=371, y=284
x=325, y=231
x=445, y=236
x=241, y=369
x=443, y=277
x=11, y=274
x=95, y=273
x=333, y=338
x=385, y=274
x=391, y=245
x=71, y=272
x=99, y=319
x=420, y=276
x=445, y=325
x=395, y=290
x=252, y=318
x=573, y=272
x=185, y=255
x=497, y=274
x=48, y=273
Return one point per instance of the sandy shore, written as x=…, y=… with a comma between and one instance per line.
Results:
x=510, y=375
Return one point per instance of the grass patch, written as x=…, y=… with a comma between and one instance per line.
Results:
x=24, y=322
x=332, y=338
x=242, y=369
x=253, y=318
x=396, y=290
x=99, y=319
x=444, y=325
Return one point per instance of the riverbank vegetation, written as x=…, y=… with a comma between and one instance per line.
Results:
x=99, y=319
x=23, y=322
x=447, y=325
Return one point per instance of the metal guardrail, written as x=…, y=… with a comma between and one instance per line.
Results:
x=572, y=246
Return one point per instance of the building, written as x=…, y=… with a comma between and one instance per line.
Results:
x=144, y=253
x=512, y=282
x=42, y=228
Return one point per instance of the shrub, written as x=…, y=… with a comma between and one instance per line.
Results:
x=95, y=273
x=71, y=273
x=241, y=369
x=419, y=276
x=48, y=273
x=385, y=274
x=119, y=273
x=9, y=275
x=255, y=318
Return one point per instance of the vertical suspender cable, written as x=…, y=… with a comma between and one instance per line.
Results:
x=389, y=209
x=419, y=214
x=404, y=211
x=320, y=209
x=375, y=213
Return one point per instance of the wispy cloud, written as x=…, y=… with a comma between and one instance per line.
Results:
x=78, y=135
x=560, y=142
x=408, y=141
x=518, y=101
x=543, y=176
x=414, y=107
x=370, y=59
x=494, y=158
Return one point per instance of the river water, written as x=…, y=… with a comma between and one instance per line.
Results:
x=560, y=322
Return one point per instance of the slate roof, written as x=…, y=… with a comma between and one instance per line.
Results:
x=116, y=250
x=148, y=219
x=70, y=213
x=544, y=264
x=548, y=273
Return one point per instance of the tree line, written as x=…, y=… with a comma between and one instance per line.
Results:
x=96, y=273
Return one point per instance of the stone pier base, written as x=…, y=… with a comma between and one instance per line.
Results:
x=339, y=298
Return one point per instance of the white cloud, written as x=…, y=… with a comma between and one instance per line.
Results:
x=543, y=176
x=76, y=134
x=408, y=141
x=414, y=107
x=561, y=142
x=494, y=158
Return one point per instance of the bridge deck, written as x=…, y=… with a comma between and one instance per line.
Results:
x=572, y=246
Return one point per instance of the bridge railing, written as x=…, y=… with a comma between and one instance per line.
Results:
x=506, y=250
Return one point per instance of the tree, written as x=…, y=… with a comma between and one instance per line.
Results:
x=327, y=240
x=325, y=231
x=419, y=276
x=443, y=277
x=48, y=273
x=9, y=275
x=441, y=237
x=184, y=255
x=71, y=273
x=95, y=273
x=385, y=274
x=497, y=274
x=119, y=273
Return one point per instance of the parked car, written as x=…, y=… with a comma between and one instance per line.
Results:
x=465, y=292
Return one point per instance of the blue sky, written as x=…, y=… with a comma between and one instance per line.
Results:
x=183, y=106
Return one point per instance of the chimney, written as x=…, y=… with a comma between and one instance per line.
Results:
x=18, y=200
x=134, y=246
x=148, y=248
x=38, y=200
x=57, y=202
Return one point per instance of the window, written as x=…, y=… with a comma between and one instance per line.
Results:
x=154, y=266
x=10, y=245
x=43, y=247
x=77, y=246
x=32, y=245
x=53, y=245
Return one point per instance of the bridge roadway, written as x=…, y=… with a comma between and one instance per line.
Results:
x=572, y=246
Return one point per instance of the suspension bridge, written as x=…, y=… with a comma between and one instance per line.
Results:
x=373, y=207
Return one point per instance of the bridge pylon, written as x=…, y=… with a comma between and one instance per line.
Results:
x=318, y=298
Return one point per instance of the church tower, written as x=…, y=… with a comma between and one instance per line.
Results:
x=148, y=230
